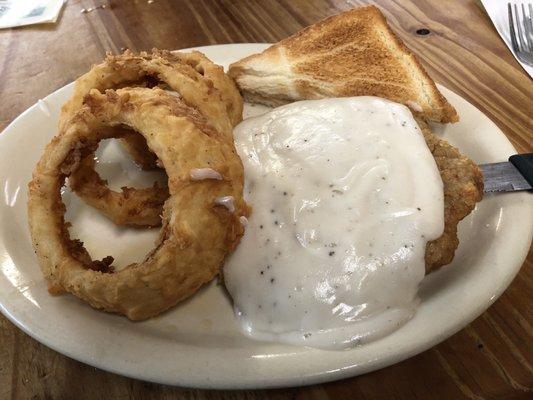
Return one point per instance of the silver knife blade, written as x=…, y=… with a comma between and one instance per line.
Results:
x=503, y=177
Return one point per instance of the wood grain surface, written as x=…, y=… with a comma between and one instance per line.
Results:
x=490, y=359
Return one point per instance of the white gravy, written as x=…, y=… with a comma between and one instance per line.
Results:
x=345, y=196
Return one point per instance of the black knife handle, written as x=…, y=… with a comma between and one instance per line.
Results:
x=524, y=164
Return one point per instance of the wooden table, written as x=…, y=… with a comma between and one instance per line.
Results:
x=492, y=358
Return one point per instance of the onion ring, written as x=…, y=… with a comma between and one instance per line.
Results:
x=196, y=234
x=201, y=84
x=132, y=206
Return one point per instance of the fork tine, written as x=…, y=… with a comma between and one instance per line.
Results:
x=523, y=45
x=527, y=28
x=528, y=25
x=514, y=42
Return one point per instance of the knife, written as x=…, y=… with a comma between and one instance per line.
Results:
x=511, y=176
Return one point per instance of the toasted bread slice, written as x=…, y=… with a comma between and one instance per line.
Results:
x=350, y=54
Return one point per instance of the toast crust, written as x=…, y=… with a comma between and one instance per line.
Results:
x=350, y=54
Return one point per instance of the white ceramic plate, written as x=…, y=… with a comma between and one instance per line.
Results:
x=197, y=344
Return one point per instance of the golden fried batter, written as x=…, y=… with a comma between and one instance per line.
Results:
x=199, y=83
x=463, y=188
x=197, y=233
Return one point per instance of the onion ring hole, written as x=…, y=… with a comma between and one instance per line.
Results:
x=100, y=236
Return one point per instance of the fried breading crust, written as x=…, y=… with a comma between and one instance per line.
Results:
x=463, y=188
x=196, y=234
x=199, y=83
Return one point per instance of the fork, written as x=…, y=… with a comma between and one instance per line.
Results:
x=523, y=41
